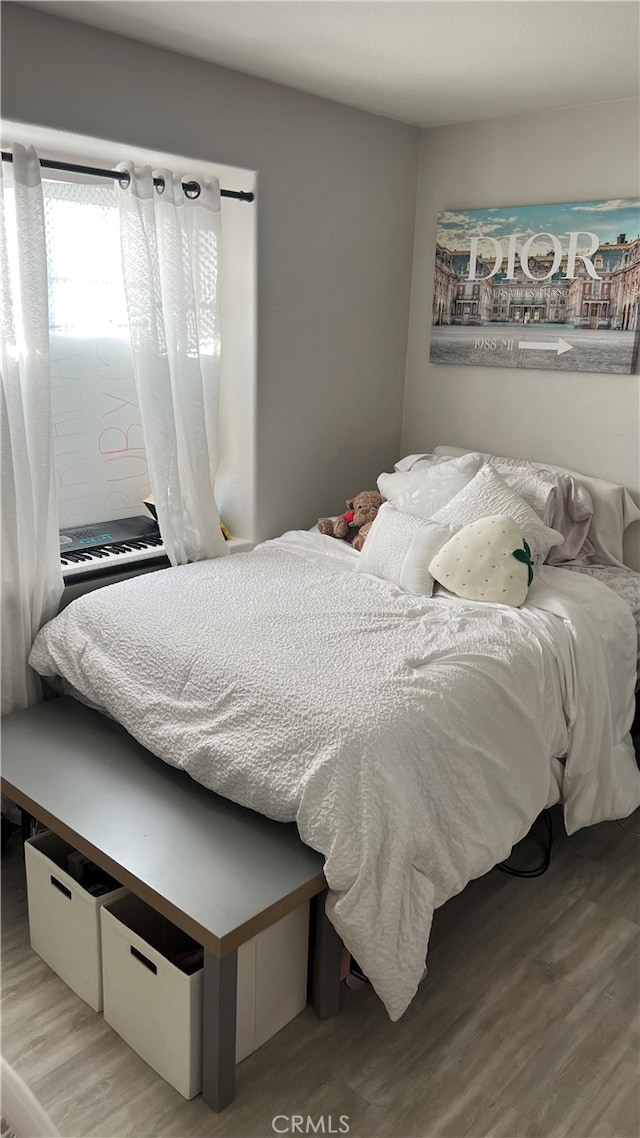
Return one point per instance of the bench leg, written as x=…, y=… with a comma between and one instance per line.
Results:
x=219, y=994
x=327, y=963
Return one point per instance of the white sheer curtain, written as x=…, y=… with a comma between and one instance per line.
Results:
x=170, y=259
x=31, y=574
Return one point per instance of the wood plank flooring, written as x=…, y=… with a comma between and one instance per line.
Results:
x=526, y=1026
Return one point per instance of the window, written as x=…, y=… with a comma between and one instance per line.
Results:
x=101, y=467
x=87, y=478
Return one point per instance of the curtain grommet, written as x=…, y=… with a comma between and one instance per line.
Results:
x=159, y=184
x=124, y=180
x=191, y=190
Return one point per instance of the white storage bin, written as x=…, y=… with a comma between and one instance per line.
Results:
x=157, y=1008
x=64, y=919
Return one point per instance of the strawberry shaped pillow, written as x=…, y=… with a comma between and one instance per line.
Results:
x=487, y=560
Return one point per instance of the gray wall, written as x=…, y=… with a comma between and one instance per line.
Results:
x=336, y=208
x=588, y=422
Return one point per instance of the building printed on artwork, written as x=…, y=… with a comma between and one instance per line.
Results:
x=611, y=302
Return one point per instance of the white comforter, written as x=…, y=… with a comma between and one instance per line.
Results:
x=410, y=739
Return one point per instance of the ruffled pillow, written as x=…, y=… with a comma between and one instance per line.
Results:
x=488, y=495
x=555, y=496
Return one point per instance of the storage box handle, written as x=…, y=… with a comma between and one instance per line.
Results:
x=61, y=887
x=144, y=960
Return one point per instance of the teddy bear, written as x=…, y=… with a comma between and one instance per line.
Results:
x=354, y=525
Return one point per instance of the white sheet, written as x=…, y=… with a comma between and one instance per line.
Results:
x=410, y=738
x=624, y=581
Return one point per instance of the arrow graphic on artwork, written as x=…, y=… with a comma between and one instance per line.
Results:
x=560, y=347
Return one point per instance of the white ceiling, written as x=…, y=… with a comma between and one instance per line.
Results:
x=427, y=62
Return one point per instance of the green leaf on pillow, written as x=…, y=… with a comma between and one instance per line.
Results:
x=524, y=555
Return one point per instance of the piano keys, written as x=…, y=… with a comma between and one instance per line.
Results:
x=102, y=548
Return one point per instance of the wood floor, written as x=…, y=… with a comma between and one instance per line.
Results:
x=527, y=1025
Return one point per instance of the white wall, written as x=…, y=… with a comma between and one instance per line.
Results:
x=336, y=208
x=588, y=422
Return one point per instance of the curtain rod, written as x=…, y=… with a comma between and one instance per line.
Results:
x=120, y=175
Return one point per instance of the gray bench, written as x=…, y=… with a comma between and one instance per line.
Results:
x=218, y=871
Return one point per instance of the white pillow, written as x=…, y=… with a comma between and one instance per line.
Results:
x=400, y=547
x=534, y=485
x=413, y=460
x=554, y=496
x=537, y=487
x=478, y=563
x=487, y=495
x=613, y=511
x=427, y=488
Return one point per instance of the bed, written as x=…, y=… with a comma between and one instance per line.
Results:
x=413, y=738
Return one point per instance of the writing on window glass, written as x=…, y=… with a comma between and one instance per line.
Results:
x=100, y=460
x=101, y=465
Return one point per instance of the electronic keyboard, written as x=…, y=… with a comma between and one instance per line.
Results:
x=102, y=547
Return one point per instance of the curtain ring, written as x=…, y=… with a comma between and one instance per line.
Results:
x=125, y=180
x=192, y=190
x=160, y=185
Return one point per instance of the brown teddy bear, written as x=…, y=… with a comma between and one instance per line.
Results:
x=354, y=525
